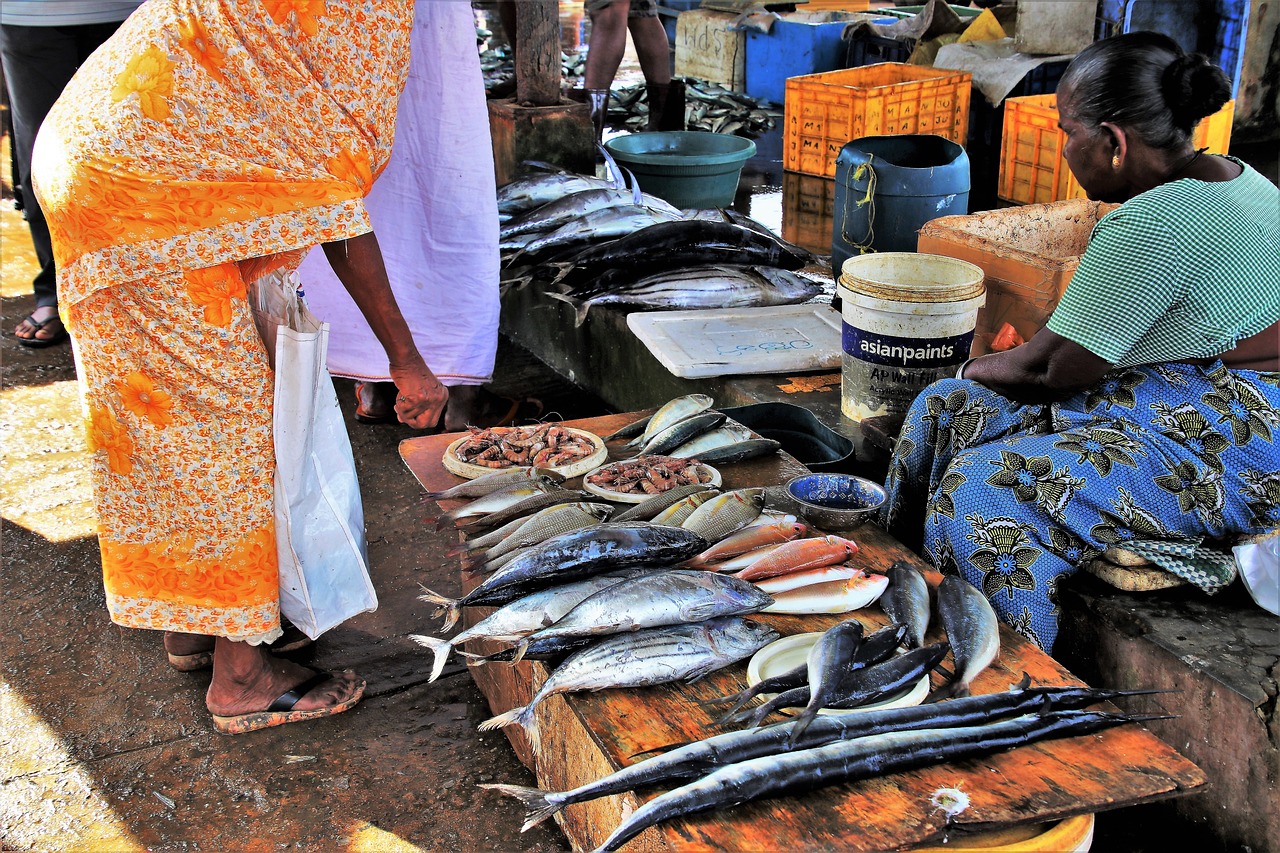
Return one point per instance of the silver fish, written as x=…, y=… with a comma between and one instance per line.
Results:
x=676, y=514
x=549, y=522
x=906, y=601
x=672, y=412
x=528, y=506
x=725, y=434
x=647, y=509
x=522, y=616
x=526, y=193
x=556, y=213
x=644, y=658
x=720, y=516
x=600, y=224
x=739, y=451
x=826, y=665
x=503, y=498
x=680, y=432
x=481, y=486
x=973, y=630
x=692, y=288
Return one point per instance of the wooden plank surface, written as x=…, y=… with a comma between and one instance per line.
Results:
x=588, y=735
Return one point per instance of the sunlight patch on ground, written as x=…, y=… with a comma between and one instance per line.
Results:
x=17, y=260
x=44, y=478
x=48, y=795
x=367, y=838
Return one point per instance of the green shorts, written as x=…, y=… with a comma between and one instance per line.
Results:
x=639, y=8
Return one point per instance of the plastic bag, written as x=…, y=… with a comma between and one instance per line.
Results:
x=324, y=572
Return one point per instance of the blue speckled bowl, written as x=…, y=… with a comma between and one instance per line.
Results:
x=835, y=501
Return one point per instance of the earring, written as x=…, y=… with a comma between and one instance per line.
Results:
x=1115, y=160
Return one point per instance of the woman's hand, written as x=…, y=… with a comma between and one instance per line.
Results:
x=420, y=397
x=1045, y=369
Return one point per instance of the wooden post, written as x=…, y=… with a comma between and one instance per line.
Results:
x=537, y=53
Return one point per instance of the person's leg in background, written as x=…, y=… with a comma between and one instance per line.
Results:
x=666, y=99
x=608, y=43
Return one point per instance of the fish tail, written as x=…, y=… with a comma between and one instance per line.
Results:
x=533, y=799
x=452, y=609
x=561, y=268
x=522, y=716
x=802, y=723
x=443, y=520
x=439, y=649
x=950, y=690
x=580, y=315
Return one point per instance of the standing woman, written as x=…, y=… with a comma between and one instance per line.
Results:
x=1146, y=414
x=204, y=145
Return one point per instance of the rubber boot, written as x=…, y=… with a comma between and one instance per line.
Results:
x=599, y=102
x=666, y=105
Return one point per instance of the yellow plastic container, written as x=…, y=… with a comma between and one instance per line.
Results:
x=1032, y=168
x=1073, y=835
x=1028, y=254
x=825, y=111
x=808, y=209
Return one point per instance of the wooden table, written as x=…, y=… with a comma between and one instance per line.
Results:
x=588, y=735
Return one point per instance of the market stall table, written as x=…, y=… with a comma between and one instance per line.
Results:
x=588, y=735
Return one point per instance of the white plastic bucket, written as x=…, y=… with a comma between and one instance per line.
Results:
x=907, y=320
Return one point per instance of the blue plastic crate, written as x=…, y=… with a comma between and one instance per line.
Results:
x=1225, y=43
x=790, y=49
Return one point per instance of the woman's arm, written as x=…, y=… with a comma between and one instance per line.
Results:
x=1045, y=369
x=359, y=266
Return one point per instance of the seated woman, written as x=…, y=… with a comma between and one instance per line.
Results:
x=1145, y=413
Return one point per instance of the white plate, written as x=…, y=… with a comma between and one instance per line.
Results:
x=782, y=656
x=734, y=341
x=630, y=498
x=454, y=465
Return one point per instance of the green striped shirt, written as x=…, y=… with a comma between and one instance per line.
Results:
x=1184, y=270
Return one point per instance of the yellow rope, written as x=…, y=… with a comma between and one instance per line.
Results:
x=868, y=200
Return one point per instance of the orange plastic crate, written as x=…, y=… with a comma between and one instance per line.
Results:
x=825, y=111
x=1032, y=168
x=808, y=209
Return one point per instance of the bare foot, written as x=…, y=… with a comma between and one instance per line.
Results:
x=50, y=328
x=187, y=644
x=247, y=679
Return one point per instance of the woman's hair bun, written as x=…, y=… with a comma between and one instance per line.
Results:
x=1193, y=88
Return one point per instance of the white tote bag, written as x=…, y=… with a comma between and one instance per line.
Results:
x=324, y=572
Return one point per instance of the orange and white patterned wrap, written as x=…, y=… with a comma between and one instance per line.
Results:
x=208, y=142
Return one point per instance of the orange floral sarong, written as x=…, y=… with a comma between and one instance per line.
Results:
x=206, y=143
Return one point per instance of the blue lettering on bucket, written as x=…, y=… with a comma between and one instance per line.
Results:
x=905, y=352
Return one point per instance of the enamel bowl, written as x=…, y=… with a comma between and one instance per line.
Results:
x=835, y=502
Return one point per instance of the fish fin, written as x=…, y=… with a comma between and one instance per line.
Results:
x=450, y=606
x=533, y=799
x=474, y=659
x=667, y=747
x=443, y=520
x=949, y=690
x=440, y=650
x=561, y=269
x=1023, y=683
x=637, y=194
x=700, y=613
x=519, y=716
x=521, y=648
x=802, y=723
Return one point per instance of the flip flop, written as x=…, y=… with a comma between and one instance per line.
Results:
x=41, y=343
x=280, y=712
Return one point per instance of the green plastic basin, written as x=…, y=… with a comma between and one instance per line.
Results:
x=687, y=168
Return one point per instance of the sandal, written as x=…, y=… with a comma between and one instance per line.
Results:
x=40, y=343
x=376, y=402
x=280, y=712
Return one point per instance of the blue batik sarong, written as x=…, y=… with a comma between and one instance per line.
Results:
x=1155, y=459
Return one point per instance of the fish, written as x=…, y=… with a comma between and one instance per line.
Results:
x=550, y=649
x=481, y=486
x=566, y=209
x=748, y=539
x=725, y=434
x=653, y=600
x=724, y=514
x=647, y=509
x=825, y=666
x=593, y=227
x=549, y=516
x=630, y=430
x=580, y=553
x=972, y=629
x=644, y=658
x=676, y=514
x=839, y=596
x=740, y=451
x=809, y=577
x=693, y=760
x=552, y=521
x=680, y=432
x=799, y=555
x=531, y=191
x=906, y=601
x=503, y=498
x=528, y=506
x=698, y=287
x=671, y=412
x=852, y=760
x=521, y=617
x=742, y=561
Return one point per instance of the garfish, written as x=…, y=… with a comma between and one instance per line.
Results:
x=644, y=658
x=728, y=433
x=521, y=617
x=567, y=208
x=692, y=760
x=647, y=509
x=800, y=555
x=680, y=432
x=825, y=667
x=580, y=553
x=671, y=412
x=906, y=601
x=653, y=600
x=724, y=514
x=851, y=760
x=550, y=515
x=838, y=596
x=748, y=539
x=740, y=451
x=549, y=522
x=481, y=486
x=528, y=506
x=695, y=287
x=503, y=498
x=676, y=514
x=972, y=629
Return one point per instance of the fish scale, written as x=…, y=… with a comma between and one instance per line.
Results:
x=719, y=517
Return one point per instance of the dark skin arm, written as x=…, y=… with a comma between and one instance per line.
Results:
x=359, y=266
x=1045, y=369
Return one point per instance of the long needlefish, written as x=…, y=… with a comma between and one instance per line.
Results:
x=644, y=658
x=906, y=601
x=972, y=629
